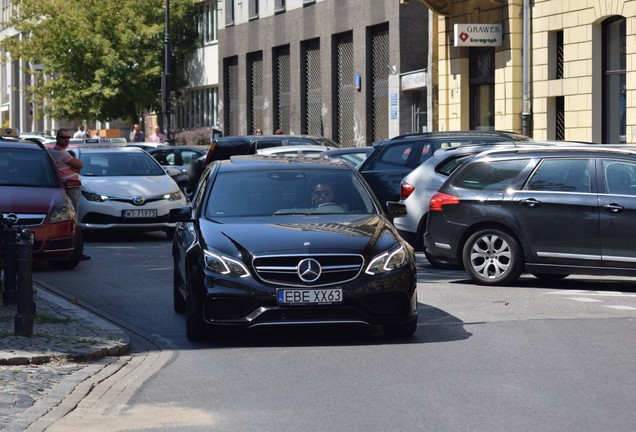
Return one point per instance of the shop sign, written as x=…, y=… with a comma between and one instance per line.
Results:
x=478, y=35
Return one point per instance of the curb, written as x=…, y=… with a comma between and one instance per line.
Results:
x=62, y=332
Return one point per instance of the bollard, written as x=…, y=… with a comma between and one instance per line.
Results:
x=9, y=295
x=24, y=265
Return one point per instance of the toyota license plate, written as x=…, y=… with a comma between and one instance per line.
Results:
x=139, y=213
x=305, y=297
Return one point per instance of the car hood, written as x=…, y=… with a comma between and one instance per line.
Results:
x=129, y=186
x=273, y=235
x=19, y=199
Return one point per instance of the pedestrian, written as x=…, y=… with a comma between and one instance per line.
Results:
x=96, y=135
x=279, y=131
x=259, y=132
x=69, y=168
x=80, y=133
x=137, y=135
x=157, y=137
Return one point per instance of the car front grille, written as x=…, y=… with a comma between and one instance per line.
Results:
x=284, y=269
x=28, y=219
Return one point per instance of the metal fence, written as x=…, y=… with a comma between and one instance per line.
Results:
x=312, y=115
x=345, y=90
x=380, y=83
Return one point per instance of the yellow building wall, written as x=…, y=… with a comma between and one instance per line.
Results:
x=581, y=85
x=453, y=65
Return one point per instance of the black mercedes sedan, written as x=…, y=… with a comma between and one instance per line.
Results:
x=271, y=241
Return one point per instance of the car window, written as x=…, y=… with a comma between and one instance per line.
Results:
x=281, y=192
x=188, y=155
x=397, y=154
x=561, y=175
x=620, y=177
x=27, y=168
x=120, y=164
x=492, y=175
x=447, y=167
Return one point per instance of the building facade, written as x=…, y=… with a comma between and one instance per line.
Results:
x=561, y=70
x=334, y=68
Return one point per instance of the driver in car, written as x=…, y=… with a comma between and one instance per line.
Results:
x=322, y=194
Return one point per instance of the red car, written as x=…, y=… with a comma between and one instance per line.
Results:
x=33, y=196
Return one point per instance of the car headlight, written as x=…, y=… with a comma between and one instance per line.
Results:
x=390, y=260
x=95, y=197
x=62, y=213
x=224, y=265
x=174, y=196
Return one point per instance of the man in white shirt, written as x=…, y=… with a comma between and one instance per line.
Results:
x=81, y=133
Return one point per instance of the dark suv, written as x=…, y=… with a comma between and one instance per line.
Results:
x=392, y=160
x=550, y=212
x=33, y=196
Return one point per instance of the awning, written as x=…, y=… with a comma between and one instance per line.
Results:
x=442, y=7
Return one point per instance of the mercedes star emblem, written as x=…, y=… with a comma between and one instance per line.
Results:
x=309, y=270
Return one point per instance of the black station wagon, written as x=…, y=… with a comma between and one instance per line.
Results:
x=550, y=212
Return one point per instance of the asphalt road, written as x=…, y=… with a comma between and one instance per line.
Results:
x=534, y=356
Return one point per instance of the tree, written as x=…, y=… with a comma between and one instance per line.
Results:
x=99, y=60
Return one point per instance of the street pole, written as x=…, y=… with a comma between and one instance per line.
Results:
x=166, y=78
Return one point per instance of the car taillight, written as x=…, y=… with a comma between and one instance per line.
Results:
x=406, y=190
x=440, y=199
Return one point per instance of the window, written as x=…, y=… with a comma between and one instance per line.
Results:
x=279, y=6
x=614, y=81
x=561, y=175
x=196, y=108
x=397, y=154
x=229, y=12
x=253, y=9
x=496, y=176
x=620, y=178
x=482, y=88
x=208, y=26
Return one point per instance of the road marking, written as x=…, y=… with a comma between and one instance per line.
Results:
x=620, y=307
x=585, y=300
x=593, y=293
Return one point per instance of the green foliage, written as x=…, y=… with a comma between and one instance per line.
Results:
x=102, y=59
x=193, y=137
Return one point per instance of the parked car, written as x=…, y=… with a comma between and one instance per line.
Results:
x=354, y=156
x=301, y=150
x=124, y=188
x=33, y=196
x=392, y=160
x=179, y=157
x=417, y=188
x=268, y=242
x=39, y=137
x=148, y=145
x=550, y=212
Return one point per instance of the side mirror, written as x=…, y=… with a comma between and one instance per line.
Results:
x=181, y=214
x=395, y=209
x=172, y=172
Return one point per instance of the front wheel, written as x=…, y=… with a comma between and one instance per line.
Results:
x=492, y=257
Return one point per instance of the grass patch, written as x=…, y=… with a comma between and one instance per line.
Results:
x=49, y=319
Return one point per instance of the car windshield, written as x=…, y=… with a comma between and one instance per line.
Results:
x=287, y=192
x=27, y=168
x=110, y=164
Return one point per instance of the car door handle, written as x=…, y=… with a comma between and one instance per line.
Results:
x=530, y=202
x=613, y=208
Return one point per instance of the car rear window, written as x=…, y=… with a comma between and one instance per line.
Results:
x=490, y=175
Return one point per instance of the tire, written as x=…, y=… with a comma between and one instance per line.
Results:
x=177, y=299
x=400, y=330
x=439, y=263
x=550, y=276
x=492, y=257
x=195, y=326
